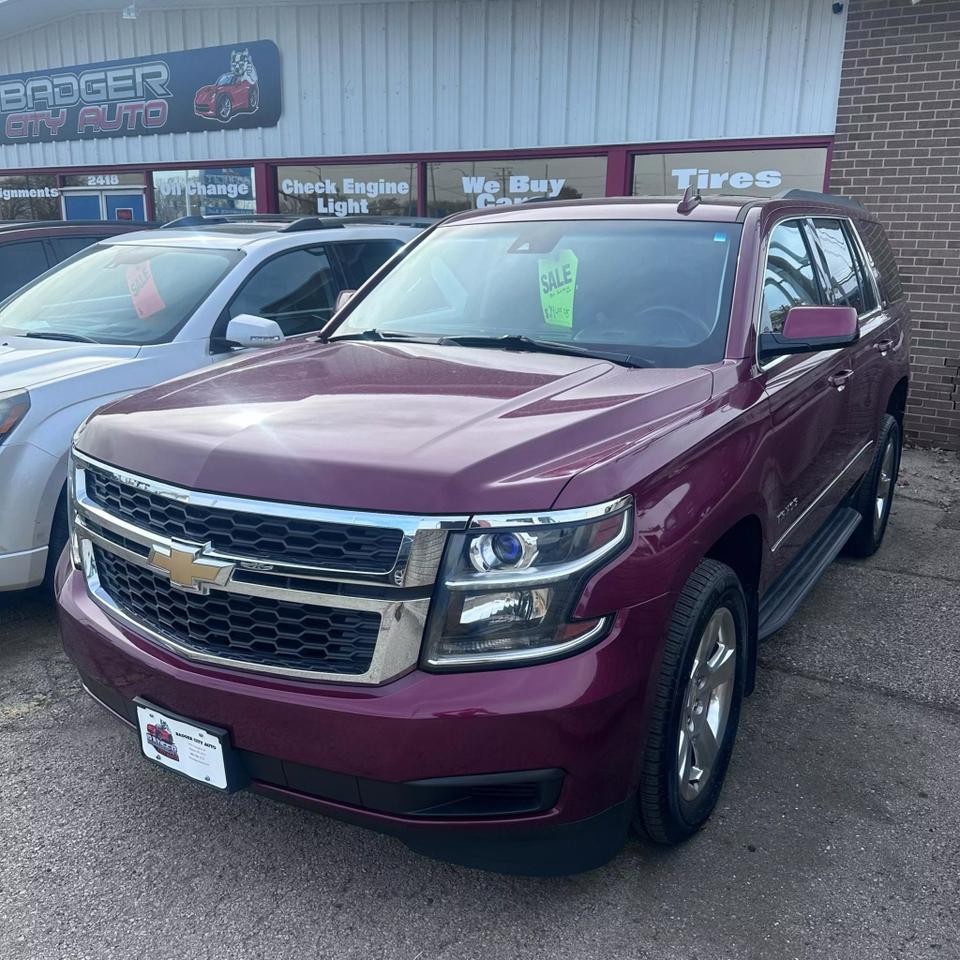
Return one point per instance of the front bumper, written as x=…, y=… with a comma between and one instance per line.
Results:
x=31, y=481
x=352, y=751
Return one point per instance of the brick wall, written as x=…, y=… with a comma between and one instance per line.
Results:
x=898, y=149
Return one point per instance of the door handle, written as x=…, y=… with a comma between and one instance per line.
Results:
x=839, y=380
x=884, y=345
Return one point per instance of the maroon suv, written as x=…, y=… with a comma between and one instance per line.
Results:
x=486, y=565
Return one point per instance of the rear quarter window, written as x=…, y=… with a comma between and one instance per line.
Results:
x=882, y=259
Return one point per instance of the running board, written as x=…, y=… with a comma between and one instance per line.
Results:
x=782, y=599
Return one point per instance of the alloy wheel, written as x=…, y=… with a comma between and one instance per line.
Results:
x=884, y=487
x=706, y=703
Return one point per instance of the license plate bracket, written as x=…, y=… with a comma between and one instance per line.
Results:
x=197, y=751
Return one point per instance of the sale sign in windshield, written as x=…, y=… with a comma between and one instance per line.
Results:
x=232, y=86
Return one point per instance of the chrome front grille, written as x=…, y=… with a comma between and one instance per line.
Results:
x=312, y=593
x=335, y=546
x=254, y=630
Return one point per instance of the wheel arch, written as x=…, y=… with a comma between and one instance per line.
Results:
x=741, y=548
x=897, y=403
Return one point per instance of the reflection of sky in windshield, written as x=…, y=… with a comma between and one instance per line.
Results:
x=134, y=293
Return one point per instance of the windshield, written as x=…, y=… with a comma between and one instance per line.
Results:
x=226, y=79
x=129, y=293
x=656, y=290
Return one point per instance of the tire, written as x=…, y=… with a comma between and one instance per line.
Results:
x=253, y=98
x=59, y=534
x=672, y=803
x=879, y=483
x=224, y=108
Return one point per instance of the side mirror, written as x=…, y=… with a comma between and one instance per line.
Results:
x=343, y=298
x=246, y=330
x=809, y=330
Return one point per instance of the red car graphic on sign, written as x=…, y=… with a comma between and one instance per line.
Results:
x=234, y=92
x=161, y=739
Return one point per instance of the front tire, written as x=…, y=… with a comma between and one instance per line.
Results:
x=874, y=496
x=696, y=709
x=224, y=108
x=59, y=534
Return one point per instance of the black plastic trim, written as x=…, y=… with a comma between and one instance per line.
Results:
x=780, y=602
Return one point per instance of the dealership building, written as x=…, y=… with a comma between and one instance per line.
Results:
x=154, y=109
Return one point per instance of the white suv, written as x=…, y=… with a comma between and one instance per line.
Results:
x=135, y=310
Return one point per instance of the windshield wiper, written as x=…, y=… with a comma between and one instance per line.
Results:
x=384, y=336
x=53, y=335
x=514, y=341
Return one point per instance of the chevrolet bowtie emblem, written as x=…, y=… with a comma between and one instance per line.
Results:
x=189, y=568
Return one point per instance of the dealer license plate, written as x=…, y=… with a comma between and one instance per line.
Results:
x=201, y=753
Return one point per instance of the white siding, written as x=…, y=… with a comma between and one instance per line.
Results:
x=430, y=75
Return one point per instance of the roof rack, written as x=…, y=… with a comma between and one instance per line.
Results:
x=293, y=223
x=33, y=224
x=212, y=219
x=328, y=223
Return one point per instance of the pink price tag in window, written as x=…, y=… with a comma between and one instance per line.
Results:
x=143, y=290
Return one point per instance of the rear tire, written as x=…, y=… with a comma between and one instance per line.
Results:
x=696, y=710
x=874, y=496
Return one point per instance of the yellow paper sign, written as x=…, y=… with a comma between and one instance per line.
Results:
x=558, y=283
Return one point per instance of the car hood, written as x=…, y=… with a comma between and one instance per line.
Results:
x=28, y=363
x=393, y=427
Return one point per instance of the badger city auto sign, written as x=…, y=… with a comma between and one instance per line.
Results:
x=233, y=86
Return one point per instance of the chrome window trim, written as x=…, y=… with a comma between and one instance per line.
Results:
x=758, y=306
x=813, y=503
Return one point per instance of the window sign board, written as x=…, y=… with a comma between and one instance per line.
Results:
x=31, y=197
x=749, y=172
x=204, y=191
x=214, y=88
x=466, y=184
x=342, y=190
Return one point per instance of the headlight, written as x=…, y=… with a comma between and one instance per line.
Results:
x=509, y=586
x=13, y=408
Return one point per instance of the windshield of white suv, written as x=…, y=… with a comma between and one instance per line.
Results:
x=644, y=292
x=128, y=293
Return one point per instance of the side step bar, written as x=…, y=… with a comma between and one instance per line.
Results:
x=786, y=594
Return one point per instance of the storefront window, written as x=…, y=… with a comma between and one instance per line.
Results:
x=386, y=189
x=211, y=190
x=29, y=198
x=749, y=172
x=465, y=184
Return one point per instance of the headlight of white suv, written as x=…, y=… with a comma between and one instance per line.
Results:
x=509, y=586
x=13, y=408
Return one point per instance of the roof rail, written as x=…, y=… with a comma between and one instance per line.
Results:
x=328, y=223
x=211, y=219
x=33, y=224
x=833, y=198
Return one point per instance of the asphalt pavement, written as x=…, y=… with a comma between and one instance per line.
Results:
x=837, y=834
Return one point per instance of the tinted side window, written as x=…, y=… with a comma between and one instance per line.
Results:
x=883, y=261
x=362, y=258
x=19, y=264
x=297, y=289
x=789, y=279
x=64, y=247
x=843, y=277
x=863, y=270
